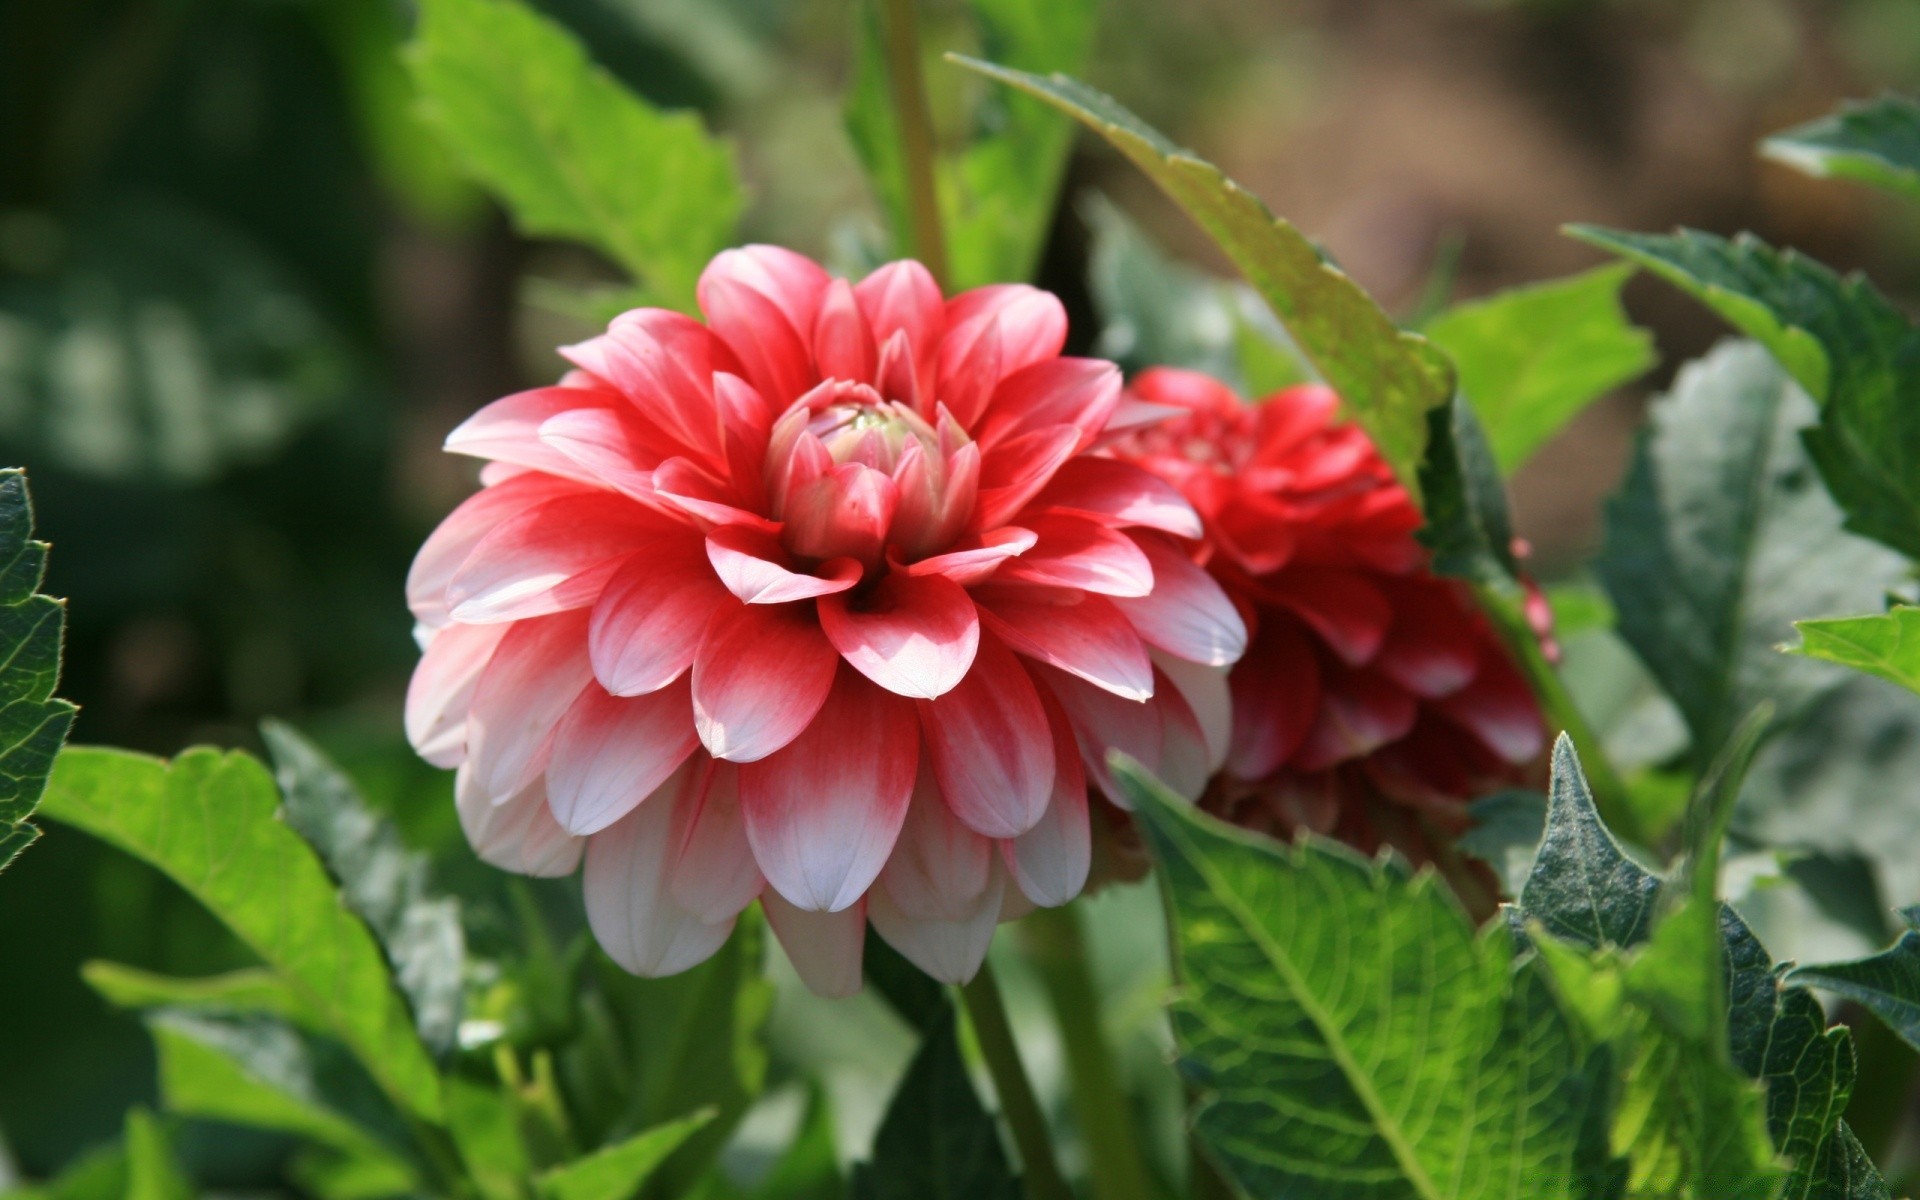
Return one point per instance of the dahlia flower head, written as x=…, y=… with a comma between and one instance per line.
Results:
x=826, y=602
x=1374, y=700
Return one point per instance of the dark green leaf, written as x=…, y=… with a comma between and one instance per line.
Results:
x=210, y=822
x=810, y=1167
x=1887, y=983
x=914, y=994
x=619, y=1171
x=1853, y=351
x=1876, y=644
x=1583, y=887
x=153, y=1173
x=1876, y=142
x=1468, y=527
x=1720, y=537
x=380, y=879
x=571, y=151
x=33, y=723
x=1531, y=358
x=1506, y=834
x=1312, y=1068
x=937, y=1142
x=1388, y=380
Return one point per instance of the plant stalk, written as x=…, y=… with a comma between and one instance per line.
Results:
x=901, y=32
x=1017, y=1103
x=1056, y=946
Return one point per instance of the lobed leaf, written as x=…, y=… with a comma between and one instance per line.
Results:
x=1876, y=142
x=209, y=821
x=937, y=1142
x=1531, y=358
x=1388, y=379
x=569, y=150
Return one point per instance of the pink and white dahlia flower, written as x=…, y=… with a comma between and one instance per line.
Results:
x=823, y=602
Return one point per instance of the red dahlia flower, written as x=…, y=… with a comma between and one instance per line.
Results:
x=1374, y=699
x=822, y=602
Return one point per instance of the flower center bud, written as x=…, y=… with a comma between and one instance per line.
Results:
x=873, y=432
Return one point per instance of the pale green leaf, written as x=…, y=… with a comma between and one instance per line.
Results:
x=571, y=151
x=210, y=822
x=1336, y=1065
x=1876, y=644
x=1720, y=537
x=1875, y=142
x=937, y=1142
x=1530, y=359
x=153, y=1173
x=619, y=1171
x=1388, y=380
x=488, y=1138
x=33, y=723
x=249, y=990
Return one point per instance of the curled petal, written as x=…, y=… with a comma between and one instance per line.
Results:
x=825, y=947
x=450, y=544
x=1076, y=553
x=774, y=357
x=761, y=675
x=1079, y=632
x=1017, y=469
x=650, y=619
x=989, y=744
x=663, y=363
x=686, y=487
x=843, y=342
x=1101, y=722
x=716, y=875
x=913, y=635
x=939, y=867
x=1020, y=325
x=1079, y=392
x=793, y=282
x=843, y=514
x=603, y=448
x=976, y=564
x=508, y=430
x=902, y=298
x=611, y=752
x=749, y=563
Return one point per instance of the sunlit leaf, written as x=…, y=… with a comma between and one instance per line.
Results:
x=250, y=990
x=1531, y=358
x=1884, y=644
x=572, y=152
x=1875, y=142
x=153, y=1173
x=1388, y=380
x=210, y=822
x=619, y=1171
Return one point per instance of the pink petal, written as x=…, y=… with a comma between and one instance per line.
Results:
x=773, y=356
x=1186, y=614
x=1186, y=759
x=914, y=635
x=440, y=694
x=989, y=744
x=517, y=835
x=550, y=558
x=508, y=430
x=1081, y=392
x=1079, y=632
x=939, y=867
x=1359, y=713
x=823, y=813
x=650, y=618
x=1015, y=471
x=748, y=563
x=793, y=282
x=1499, y=709
x=603, y=448
x=949, y=950
x=1103, y=721
x=1276, y=699
x=716, y=876
x=843, y=514
x=843, y=343
x=1118, y=493
x=1076, y=553
x=824, y=947
x=1019, y=324
x=1341, y=606
x=760, y=677
x=448, y=546
x=535, y=675
x=1208, y=697
x=663, y=363
x=629, y=909
x=686, y=487
x=903, y=298
x=611, y=752
x=978, y=563
x=1050, y=861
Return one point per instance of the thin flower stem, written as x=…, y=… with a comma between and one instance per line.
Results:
x=995, y=1034
x=901, y=33
x=1056, y=946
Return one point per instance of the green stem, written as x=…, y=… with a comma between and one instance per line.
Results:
x=1057, y=948
x=1017, y=1103
x=901, y=32
x=1556, y=702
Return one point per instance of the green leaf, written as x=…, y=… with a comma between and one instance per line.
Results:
x=1506, y=833
x=487, y=1136
x=1853, y=351
x=380, y=879
x=1532, y=357
x=1388, y=380
x=1875, y=142
x=1887, y=983
x=153, y=1173
x=250, y=990
x=937, y=1142
x=1585, y=891
x=1468, y=529
x=572, y=152
x=620, y=1170
x=33, y=723
x=999, y=173
x=210, y=822
x=810, y=1167
x=1341, y=1066
x=1876, y=644
x=1720, y=537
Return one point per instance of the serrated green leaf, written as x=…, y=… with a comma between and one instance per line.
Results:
x=619, y=1171
x=1884, y=644
x=999, y=176
x=380, y=879
x=1887, y=983
x=937, y=1141
x=1388, y=380
x=1853, y=351
x=33, y=723
x=1875, y=142
x=571, y=151
x=209, y=821
x=1720, y=537
x=1315, y=1047
x=1531, y=358
x=153, y=1173
x=1584, y=890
